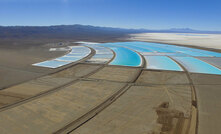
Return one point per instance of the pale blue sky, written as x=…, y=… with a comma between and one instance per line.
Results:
x=149, y=14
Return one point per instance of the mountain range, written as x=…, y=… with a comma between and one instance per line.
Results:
x=70, y=31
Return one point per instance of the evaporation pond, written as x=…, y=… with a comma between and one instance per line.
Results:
x=51, y=64
x=161, y=63
x=197, y=66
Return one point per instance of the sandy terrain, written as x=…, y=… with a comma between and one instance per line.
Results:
x=65, y=105
x=16, y=63
x=211, y=41
x=97, y=98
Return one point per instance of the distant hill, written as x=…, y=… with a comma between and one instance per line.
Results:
x=183, y=30
x=188, y=30
x=75, y=31
x=61, y=31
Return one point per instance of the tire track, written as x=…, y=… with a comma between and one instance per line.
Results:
x=92, y=113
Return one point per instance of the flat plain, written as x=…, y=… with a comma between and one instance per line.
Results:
x=86, y=98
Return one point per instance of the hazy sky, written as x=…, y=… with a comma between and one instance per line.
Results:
x=150, y=14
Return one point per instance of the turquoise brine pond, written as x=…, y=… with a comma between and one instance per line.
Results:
x=132, y=47
x=126, y=57
x=164, y=48
x=197, y=66
x=157, y=56
x=123, y=56
x=161, y=63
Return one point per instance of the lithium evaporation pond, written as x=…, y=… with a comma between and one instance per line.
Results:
x=69, y=58
x=216, y=61
x=151, y=46
x=51, y=64
x=197, y=66
x=102, y=56
x=161, y=63
x=132, y=47
x=77, y=53
x=126, y=57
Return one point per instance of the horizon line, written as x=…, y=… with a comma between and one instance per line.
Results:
x=175, y=28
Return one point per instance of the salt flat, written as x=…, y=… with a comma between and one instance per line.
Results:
x=212, y=41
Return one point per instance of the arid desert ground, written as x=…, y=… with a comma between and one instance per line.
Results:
x=88, y=98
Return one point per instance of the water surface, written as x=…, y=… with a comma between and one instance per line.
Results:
x=52, y=64
x=197, y=66
x=161, y=63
